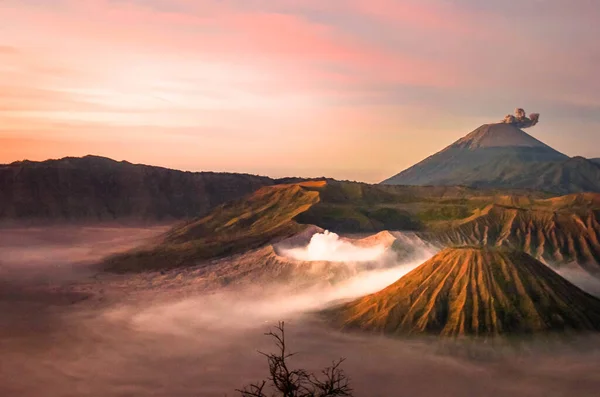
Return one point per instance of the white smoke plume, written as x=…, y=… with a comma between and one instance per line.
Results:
x=329, y=247
x=240, y=309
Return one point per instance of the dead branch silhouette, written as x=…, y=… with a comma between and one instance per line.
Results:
x=286, y=382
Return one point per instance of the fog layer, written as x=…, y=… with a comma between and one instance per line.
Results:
x=84, y=334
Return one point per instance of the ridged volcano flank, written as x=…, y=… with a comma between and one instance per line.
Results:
x=474, y=291
x=559, y=231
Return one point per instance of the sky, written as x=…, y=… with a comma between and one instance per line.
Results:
x=350, y=89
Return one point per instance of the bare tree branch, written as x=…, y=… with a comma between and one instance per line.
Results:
x=253, y=390
x=286, y=382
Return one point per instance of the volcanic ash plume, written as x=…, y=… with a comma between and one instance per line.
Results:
x=520, y=119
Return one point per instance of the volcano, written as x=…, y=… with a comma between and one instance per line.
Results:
x=502, y=155
x=474, y=291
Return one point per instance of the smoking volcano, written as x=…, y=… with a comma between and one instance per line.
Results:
x=502, y=155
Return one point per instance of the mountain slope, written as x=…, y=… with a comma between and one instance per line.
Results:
x=557, y=231
x=96, y=188
x=349, y=207
x=278, y=211
x=502, y=135
x=474, y=291
x=576, y=174
x=235, y=227
x=503, y=156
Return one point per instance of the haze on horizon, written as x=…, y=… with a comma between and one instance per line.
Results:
x=289, y=87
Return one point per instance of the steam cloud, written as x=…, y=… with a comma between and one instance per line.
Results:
x=237, y=310
x=521, y=120
x=329, y=247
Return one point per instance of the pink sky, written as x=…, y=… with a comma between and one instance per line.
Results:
x=352, y=89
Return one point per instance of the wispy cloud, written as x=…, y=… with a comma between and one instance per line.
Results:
x=353, y=72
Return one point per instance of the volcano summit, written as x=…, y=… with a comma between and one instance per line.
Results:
x=502, y=155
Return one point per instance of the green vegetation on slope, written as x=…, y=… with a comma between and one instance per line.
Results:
x=358, y=207
x=356, y=219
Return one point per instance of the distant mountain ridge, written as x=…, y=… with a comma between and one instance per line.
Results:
x=503, y=156
x=94, y=188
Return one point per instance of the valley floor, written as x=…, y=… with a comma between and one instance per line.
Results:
x=66, y=331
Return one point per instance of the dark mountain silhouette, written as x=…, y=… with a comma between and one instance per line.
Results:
x=96, y=188
x=503, y=156
x=474, y=291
